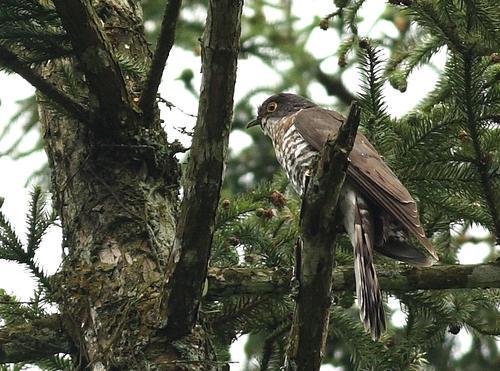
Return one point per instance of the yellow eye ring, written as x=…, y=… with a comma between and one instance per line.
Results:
x=271, y=107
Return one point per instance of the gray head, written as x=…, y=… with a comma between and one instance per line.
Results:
x=278, y=106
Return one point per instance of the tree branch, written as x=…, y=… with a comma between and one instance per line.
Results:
x=96, y=60
x=225, y=282
x=44, y=337
x=204, y=173
x=482, y=163
x=163, y=47
x=13, y=63
x=334, y=86
x=317, y=250
x=33, y=341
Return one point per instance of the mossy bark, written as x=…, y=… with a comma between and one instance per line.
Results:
x=115, y=186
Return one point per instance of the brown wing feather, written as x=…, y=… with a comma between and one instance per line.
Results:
x=367, y=169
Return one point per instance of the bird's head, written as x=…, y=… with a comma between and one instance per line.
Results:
x=278, y=106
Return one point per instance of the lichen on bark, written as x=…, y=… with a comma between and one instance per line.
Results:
x=116, y=189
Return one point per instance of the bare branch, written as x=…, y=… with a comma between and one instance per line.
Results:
x=317, y=250
x=163, y=46
x=104, y=76
x=204, y=173
x=33, y=341
x=13, y=63
x=225, y=282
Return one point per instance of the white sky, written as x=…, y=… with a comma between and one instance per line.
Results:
x=251, y=73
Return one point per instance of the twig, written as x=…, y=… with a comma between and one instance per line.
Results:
x=13, y=63
x=204, y=171
x=171, y=105
x=163, y=47
x=317, y=254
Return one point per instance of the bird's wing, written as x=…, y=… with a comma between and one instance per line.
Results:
x=367, y=170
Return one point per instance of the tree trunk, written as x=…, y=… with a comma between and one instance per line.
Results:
x=115, y=187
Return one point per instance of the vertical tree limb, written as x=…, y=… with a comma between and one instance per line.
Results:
x=317, y=252
x=93, y=51
x=115, y=189
x=163, y=47
x=204, y=173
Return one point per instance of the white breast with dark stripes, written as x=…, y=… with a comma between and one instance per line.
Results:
x=294, y=154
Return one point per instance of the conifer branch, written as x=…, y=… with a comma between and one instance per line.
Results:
x=196, y=221
x=316, y=256
x=33, y=341
x=11, y=247
x=270, y=344
x=163, y=47
x=482, y=162
x=13, y=63
x=226, y=282
x=93, y=51
x=437, y=18
x=41, y=338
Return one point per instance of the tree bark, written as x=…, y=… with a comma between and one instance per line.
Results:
x=204, y=172
x=33, y=341
x=115, y=186
x=225, y=282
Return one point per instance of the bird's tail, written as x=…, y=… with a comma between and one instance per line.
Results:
x=367, y=286
x=360, y=226
x=396, y=244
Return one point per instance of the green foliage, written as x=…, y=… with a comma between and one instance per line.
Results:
x=56, y=363
x=262, y=224
x=445, y=151
x=14, y=312
x=39, y=221
x=259, y=229
x=404, y=62
x=448, y=153
x=15, y=367
x=375, y=120
x=33, y=30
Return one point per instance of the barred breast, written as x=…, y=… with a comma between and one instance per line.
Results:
x=294, y=154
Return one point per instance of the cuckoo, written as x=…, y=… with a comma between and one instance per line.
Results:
x=377, y=211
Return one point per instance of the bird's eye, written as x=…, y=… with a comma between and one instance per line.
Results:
x=271, y=107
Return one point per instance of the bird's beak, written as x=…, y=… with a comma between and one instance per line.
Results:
x=253, y=123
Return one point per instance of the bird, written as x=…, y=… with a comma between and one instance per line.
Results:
x=377, y=211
